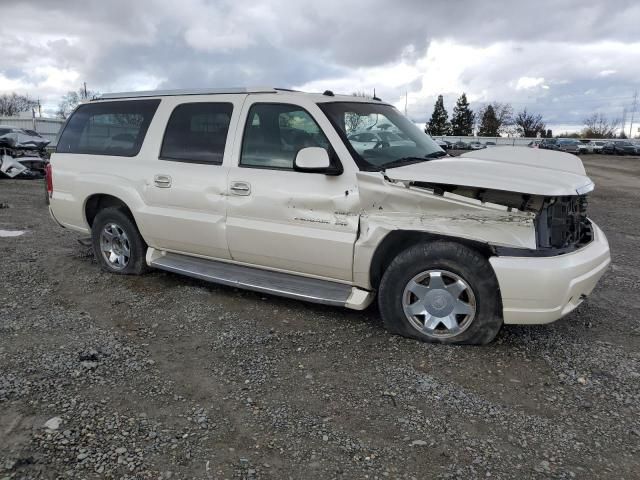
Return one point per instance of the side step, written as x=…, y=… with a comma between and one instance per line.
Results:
x=265, y=281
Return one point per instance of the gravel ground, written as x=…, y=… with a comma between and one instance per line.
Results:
x=165, y=377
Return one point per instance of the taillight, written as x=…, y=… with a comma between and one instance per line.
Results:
x=48, y=175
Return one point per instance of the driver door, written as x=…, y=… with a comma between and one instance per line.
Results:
x=282, y=219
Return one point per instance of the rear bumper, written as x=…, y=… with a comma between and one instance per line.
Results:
x=539, y=290
x=53, y=217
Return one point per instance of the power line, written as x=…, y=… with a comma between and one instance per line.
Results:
x=633, y=111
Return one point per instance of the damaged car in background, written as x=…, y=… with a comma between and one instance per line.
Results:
x=274, y=191
x=22, y=153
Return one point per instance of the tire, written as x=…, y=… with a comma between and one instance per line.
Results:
x=127, y=247
x=452, y=262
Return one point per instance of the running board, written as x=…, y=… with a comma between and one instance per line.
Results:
x=259, y=280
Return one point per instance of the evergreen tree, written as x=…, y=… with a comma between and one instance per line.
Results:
x=439, y=122
x=463, y=117
x=489, y=124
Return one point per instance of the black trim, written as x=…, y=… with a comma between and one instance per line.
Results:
x=336, y=167
x=527, y=252
x=182, y=160
x=260, y=167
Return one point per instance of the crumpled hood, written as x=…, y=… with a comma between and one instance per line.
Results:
x=514, y=169
x=17, y=139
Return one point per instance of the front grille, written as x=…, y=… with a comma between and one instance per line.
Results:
x=562, y=223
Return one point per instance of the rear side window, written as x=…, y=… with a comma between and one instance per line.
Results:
x=197, y=133
x=108, y=128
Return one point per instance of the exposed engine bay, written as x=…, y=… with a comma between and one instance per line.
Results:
x=561, y=221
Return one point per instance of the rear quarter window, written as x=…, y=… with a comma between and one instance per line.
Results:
x=108, y=128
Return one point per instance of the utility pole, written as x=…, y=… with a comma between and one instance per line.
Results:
x=406, y=99
x=633, y=111
x=85, y=90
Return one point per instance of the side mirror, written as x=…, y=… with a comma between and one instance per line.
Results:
x=312, y=160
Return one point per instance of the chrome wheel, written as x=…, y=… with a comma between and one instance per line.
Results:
x=439, y=303
x=115, y=247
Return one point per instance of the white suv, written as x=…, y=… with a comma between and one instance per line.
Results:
x=262, y=189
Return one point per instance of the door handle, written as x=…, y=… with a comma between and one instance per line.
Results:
x=162, y=181
x=240, y=188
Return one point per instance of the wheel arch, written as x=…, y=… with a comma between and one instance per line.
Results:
x=99, y=201
x=397, y=241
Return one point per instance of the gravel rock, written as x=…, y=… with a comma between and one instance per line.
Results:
x=53, y=423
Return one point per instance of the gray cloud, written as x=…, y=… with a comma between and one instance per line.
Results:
x=132, y=44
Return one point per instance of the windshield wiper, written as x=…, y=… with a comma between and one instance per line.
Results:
x=400, y=162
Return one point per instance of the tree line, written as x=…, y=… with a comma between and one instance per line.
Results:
x=13, y=104
x=496, y=119
x=491, y=120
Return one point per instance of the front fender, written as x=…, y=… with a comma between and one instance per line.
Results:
x=388, y=206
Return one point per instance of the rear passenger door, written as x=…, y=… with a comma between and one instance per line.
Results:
x=190, y=175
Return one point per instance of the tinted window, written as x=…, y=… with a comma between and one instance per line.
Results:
x=197, y=132
x=108, y=128
x=275, y=132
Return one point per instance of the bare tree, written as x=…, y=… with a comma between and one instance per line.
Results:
x=529, y=124
x=72, y=99
x=12, y=104
x=352, y=120
x=599, y=126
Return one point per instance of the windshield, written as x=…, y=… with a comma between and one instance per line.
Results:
x=379, y=136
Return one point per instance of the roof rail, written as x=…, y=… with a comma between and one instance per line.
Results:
x=187, y=91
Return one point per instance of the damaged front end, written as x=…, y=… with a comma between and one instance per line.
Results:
x=22, y=153
x=561, y=223
x=544, y=219
x=22, y=167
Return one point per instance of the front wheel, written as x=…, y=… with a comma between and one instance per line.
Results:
x=117, y=243
x=441, y=292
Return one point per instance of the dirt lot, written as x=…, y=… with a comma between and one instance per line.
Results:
x=165, y=377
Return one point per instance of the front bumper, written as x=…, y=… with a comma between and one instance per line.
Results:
x=539, y=290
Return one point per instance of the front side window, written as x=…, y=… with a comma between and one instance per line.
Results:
x=274, y=133
x=108, y=128
x=197, y=133
x=378, y=136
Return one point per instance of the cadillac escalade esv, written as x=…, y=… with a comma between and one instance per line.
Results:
x=330, y=199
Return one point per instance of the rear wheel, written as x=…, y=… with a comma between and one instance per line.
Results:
x=117, y=244
x=441, y=292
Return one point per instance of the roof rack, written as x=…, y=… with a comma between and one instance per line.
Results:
x=188, y=91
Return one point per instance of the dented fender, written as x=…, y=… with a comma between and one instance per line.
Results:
x=388, y=205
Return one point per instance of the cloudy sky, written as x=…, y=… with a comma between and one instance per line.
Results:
x=562, y=58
